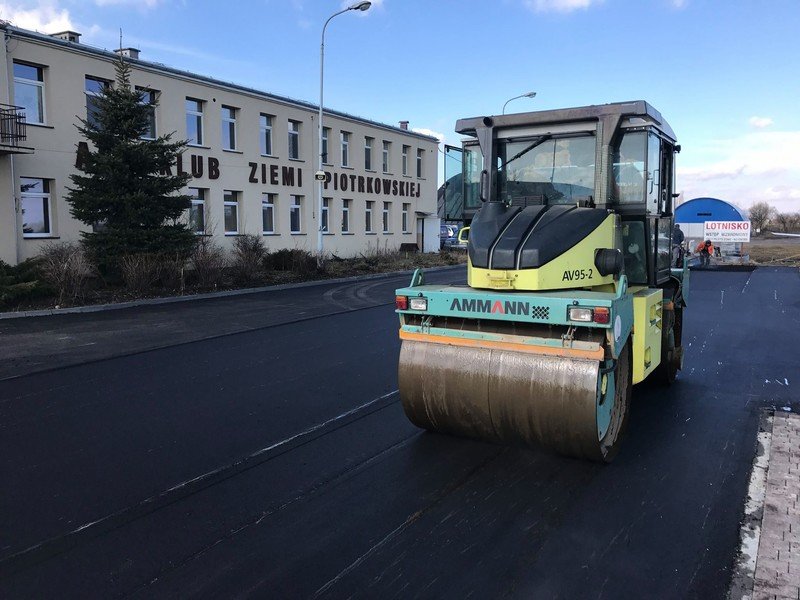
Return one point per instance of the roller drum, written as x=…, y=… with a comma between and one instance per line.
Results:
x=511, y=397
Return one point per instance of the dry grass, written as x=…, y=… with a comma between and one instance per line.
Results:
x=382, y=262
x=775, y=251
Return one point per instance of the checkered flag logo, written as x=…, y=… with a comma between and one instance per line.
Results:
x=540, y=313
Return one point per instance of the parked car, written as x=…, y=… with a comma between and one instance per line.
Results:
x=447, y=235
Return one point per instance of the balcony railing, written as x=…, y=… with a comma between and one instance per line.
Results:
x=12, y=129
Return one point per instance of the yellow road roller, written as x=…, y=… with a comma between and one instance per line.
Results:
x=572, y=295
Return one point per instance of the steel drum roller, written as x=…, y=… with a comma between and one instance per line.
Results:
x=511, y=397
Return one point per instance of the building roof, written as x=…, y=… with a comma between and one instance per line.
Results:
x=159, y=67
x=700, y=210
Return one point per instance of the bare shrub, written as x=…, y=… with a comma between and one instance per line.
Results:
x=296, y=260
x=208, y=262
x=65, y=268
x=249, y=252
x=141, y=272
x=173, y=273
x=377, y=257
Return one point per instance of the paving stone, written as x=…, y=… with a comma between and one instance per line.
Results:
x=778, y=562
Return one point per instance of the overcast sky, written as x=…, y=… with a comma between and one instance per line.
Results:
x=724, y=73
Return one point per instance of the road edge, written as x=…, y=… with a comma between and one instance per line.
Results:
x=744, y=570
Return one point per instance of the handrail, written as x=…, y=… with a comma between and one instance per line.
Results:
x=12, y=125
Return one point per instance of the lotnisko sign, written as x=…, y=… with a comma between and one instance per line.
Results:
x=727, y=231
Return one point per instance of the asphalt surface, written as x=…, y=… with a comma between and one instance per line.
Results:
x=254, y=446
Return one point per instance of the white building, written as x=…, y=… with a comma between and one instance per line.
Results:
x=252, y=155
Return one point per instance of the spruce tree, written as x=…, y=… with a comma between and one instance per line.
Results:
x=124, y=189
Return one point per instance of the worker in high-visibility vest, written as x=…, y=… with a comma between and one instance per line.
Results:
x=706, y=251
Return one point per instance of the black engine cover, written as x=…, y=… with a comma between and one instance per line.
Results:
x=510, y=237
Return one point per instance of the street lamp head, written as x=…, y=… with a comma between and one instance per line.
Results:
x=525, y=95
x=360, y=6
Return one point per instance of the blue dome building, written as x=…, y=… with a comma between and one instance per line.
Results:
x=700, y=210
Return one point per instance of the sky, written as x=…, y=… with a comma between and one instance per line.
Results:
x=724, y=73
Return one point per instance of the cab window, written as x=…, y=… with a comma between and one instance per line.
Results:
x=654, y=173
x=629, y=168
x=635, y=252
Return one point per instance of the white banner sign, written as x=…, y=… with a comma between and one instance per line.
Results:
x=726, y=231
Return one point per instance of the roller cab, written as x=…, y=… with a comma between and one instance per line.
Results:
x=571, y=295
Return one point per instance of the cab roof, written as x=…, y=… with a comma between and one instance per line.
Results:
x=635, y=108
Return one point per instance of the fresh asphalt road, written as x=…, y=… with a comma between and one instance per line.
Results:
x=254, y=446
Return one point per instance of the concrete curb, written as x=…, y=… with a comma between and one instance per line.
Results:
x=725, y=268
x=744, y=571
x=209, y=295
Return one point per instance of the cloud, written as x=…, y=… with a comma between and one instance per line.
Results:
x=430, y=132
x=778, y=192
x=760, y=122
x=679, y=3
x=750, y=168
x=211, y=58
x=44, y=17
x=562, y=6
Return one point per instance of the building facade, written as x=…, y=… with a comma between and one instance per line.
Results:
x=252, y=156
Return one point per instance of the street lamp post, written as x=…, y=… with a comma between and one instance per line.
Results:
x=526, y=95
x=320, y=175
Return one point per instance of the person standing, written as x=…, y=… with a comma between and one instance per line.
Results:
x=677, y=248
x=677, y=235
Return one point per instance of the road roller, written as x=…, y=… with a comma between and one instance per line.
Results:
x=572, y=294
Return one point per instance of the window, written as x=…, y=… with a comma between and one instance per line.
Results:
x=346, y=216
x=325, y=132
x=326, y=205
x=405, y=159
x=294, y=139
x=29, y=91
x=404, y=224
x=556, y=170
x=231, y=202
x=387, y=207
x=194, y=121
x=345, y=137
x=368, y=216
x=93, y=87
x=629, y=168
x=268, y=213
x=368, y=153
x=634, y=239
x=653, y=173
x=296, y=214
x=197, y=211
x=148, y=99
x=35, y=198
x=420, y=153
x=228, y=128
x=265, y=134
x=386, y=147
x=472, y=168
